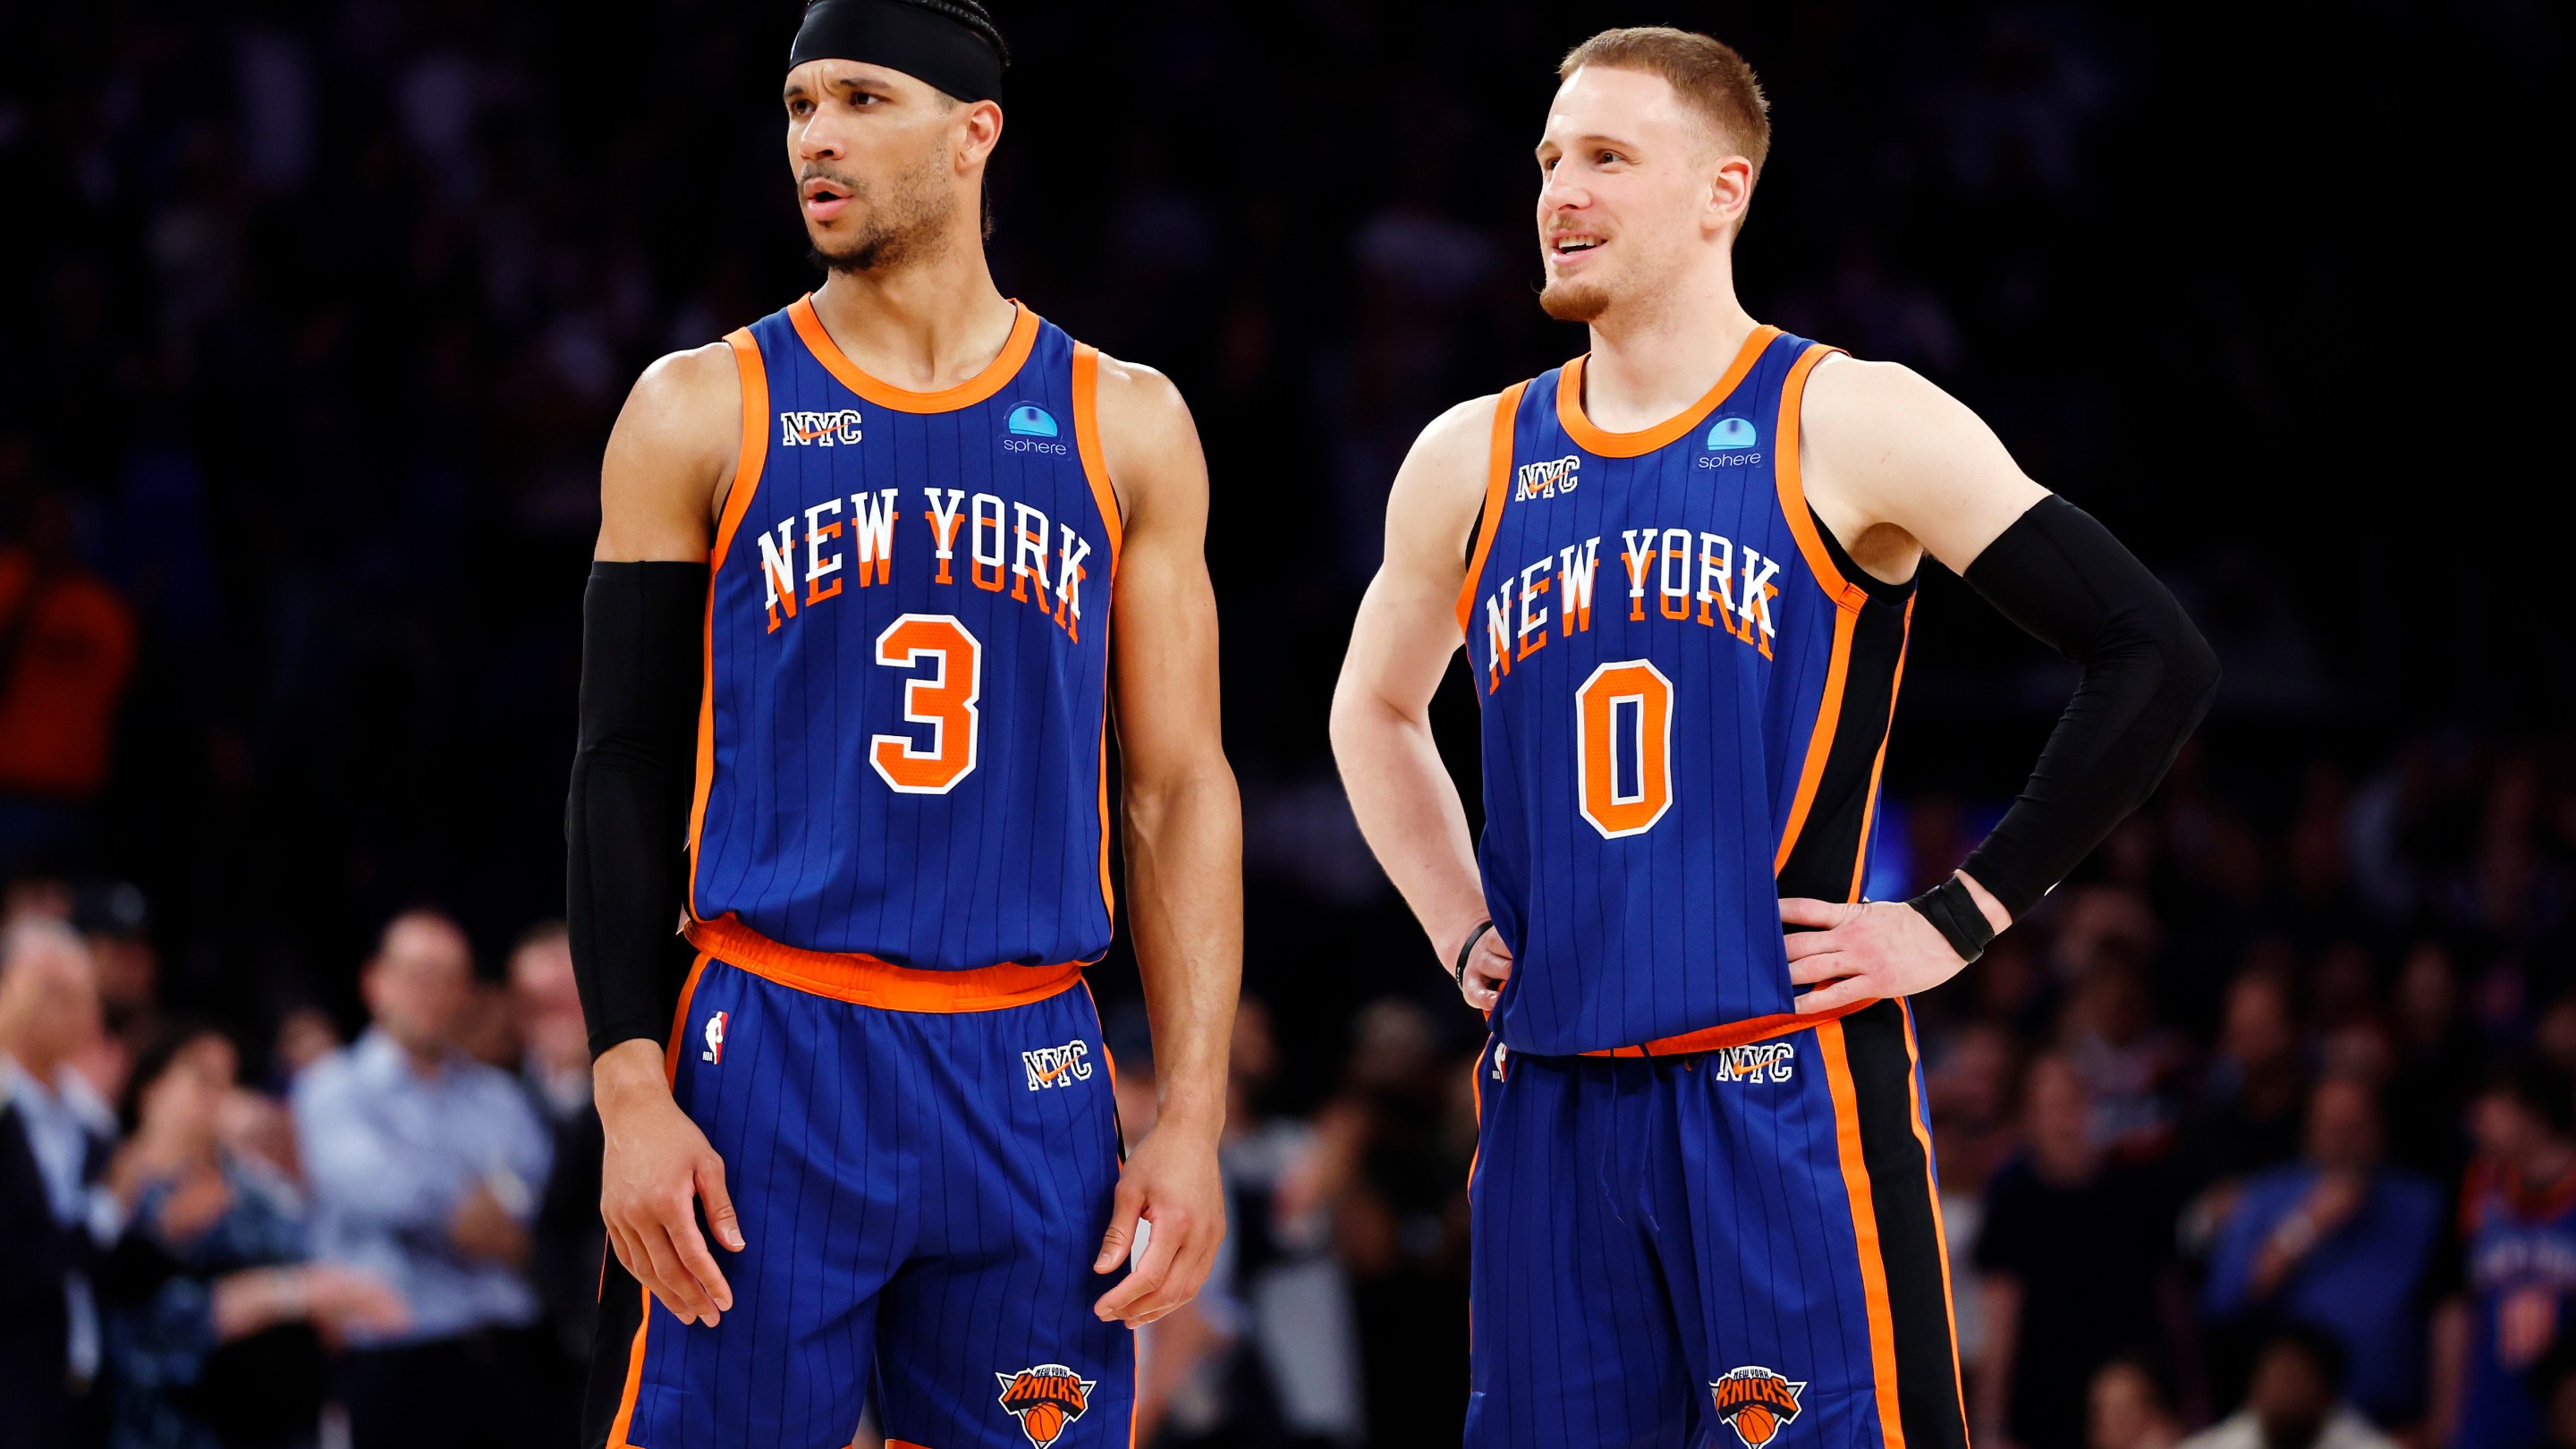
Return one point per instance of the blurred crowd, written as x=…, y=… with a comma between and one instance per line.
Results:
x=313, y=317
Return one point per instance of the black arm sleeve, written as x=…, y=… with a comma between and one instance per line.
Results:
x=2148, y=679
x=628, y=819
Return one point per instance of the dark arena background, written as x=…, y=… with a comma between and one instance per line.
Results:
x=314, y=317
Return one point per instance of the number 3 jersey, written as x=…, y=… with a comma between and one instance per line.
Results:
x=1685, y=691
x=901, y=745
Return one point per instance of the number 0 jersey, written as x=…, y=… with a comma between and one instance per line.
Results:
x=901, y=748
x=1685, y=691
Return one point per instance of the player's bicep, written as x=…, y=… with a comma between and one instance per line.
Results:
x=669, y=456
x=1888, y=446
x=1164, y=645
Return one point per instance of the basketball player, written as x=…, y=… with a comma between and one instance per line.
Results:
x=869, y=573
x=1682, y=566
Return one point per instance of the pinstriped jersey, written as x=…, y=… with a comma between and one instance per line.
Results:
x=901, y=747
x=1685, y=696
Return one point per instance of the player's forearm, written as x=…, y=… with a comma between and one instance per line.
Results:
x=1409, y=812
x=1185, y=910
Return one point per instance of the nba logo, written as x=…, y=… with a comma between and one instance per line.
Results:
x=715, y=1040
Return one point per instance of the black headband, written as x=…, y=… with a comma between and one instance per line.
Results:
x=923, y=41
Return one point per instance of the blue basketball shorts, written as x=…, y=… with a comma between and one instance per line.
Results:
x=923, y=1163
x=1737, y=1247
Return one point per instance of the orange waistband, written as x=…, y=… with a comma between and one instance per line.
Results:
x=867, y=981
x=1733, y=1033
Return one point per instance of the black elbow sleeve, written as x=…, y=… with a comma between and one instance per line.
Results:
x=2148, y=679
x=626, y=821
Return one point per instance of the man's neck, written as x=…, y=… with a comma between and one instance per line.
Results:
x=38, y=1067
x=1657, y=356
x=923, y=327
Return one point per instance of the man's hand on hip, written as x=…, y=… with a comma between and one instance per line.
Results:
x=657, y=1166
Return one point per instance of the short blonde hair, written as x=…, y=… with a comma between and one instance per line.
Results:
x=1704, y=71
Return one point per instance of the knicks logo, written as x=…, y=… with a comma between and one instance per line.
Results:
x=1757, y=1404
x=1055, y=1066
x=1545, y=480
x=1046, y=1400
x=715, y=1039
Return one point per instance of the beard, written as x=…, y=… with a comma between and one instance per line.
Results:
x=909, y=226
x=1574, y=301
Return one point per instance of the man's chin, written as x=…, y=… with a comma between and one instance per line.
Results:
x=1574, y=301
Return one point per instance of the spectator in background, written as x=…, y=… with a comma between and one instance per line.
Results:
x=2518, y=1216
x=569, y=1238
x=209, y=1306
x=2073, y=1255
x=2341, y=1243
x=55, y=1135
x=2249, y=1111
x=425, y=1168
x=2127, y=1409
x=66, y=644
x=2292, y=1403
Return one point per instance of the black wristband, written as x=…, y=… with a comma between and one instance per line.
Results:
x=1953, y=912
x=1458, y=969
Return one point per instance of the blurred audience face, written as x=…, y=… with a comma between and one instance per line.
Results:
x=886, y=166
x=547, y=1003
x=306, y=1036
x=2343, y=1125
x=2260, y=1029
x=420, y=983
x=2124, y=1410
x=2428, y=994
x=2291, y=1396
x=49, y=1009
x=184, y=1102
x=2510, y=1130
x=1626, y=165
x=2057, y=1120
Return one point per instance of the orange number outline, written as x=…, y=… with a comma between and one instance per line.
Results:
x=1596, y=769
x=944, y=700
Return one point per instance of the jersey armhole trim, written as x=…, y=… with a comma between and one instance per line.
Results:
x=753, y=373
x=1793, y=492
x=1104, y=497
x=1498, y=471
x=1086, y=441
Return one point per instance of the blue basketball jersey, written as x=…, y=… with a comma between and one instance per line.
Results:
x=901, y=751
x=1685, y=692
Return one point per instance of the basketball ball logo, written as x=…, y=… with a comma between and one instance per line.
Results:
x=1757, y=1404
x=1045, y=1399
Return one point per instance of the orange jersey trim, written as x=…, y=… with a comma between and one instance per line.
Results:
x=625, y=1421
x=1878, y=765
x=1864, y=1215
x=753, y=374
x=866, y=981
x=1104, y=496
x=1570, y=415
x=1820, y=743
x=1793, y=491
x=1498, y=472
x=1734, y=1033
x=1005, y=366
x=1932, y=1189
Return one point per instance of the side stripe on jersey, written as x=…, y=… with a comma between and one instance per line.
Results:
x=1886, y=1168
x=753, y=374
x=1104, y=496
x=1498, y=473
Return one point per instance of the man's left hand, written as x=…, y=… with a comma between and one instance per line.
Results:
x=1863, y=952
x=1170, y=1181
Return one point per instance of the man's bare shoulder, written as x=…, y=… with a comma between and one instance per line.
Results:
x=671, y=456
x=1883, y=445
x=1442, y=483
